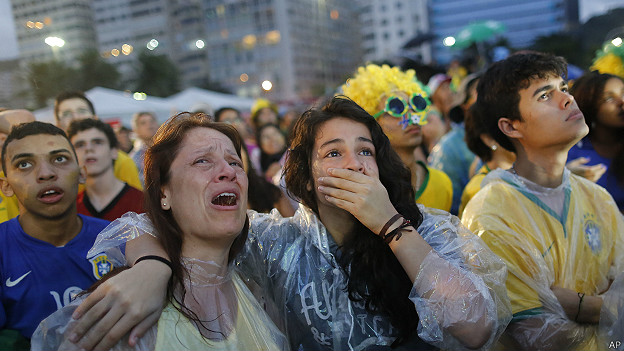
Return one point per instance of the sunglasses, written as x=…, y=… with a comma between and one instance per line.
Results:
x=397, y=107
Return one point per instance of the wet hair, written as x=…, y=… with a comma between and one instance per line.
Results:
x=158, y=159
x=456, y=114
x=89, y=123
x=588, y=92
x=474, y=127
x=66, y=95
x=23, y=130
x=375, y=276
x=498, y=91
x=219, y=112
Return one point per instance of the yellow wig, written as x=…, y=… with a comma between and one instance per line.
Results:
x=372, y=82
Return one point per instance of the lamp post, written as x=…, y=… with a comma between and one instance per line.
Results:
x=55, y=43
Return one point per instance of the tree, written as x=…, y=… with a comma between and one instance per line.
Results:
x=49, y=78
x=561, y=44
x=94, y=71
x=158, y=76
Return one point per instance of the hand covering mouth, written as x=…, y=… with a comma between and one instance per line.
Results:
x=225, y=199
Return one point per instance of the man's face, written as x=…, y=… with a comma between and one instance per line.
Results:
x=42, y=172
x=550, y=115
x=94, y=151
x=146, y=127
x=72, y=109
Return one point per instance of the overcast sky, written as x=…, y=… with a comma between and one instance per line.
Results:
x=8, y=44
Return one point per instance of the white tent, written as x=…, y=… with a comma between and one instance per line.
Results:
x=112, y=104
x=118, y=105
x=193, y=99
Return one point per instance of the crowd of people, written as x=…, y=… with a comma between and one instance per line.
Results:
x=475, y=212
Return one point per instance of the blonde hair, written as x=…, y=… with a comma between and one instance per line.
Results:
x=371, y=82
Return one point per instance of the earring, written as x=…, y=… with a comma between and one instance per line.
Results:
x=494, y=147
x=164, y=204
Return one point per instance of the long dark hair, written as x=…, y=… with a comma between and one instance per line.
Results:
x=588, y=93
x=158, y=159
x=375, y=277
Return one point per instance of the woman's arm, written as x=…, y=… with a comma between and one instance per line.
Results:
x=129, y=302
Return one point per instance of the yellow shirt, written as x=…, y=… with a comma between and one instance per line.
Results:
x=436, y=190
x=473, y=186
x=253, y=330
x=127, y=171
x=581, y=249
x=9, y=207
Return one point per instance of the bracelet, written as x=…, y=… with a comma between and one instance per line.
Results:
x=382, y=233
x=154, y=257
x=581, y=296
x=398, y=232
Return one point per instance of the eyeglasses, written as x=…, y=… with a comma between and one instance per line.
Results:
x=396, y=106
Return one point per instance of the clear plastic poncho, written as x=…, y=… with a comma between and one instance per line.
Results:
x=232, y=318
x=293, y=260
x=572, y=237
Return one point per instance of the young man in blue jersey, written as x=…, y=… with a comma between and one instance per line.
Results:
x=43, y=251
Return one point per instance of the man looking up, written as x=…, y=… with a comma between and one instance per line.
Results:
x=73, y=105
x=560, y=235
x=144, y=126
x=43, y=251
x=104, y=195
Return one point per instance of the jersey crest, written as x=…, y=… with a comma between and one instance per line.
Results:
x=592, y=233
x=101, y=265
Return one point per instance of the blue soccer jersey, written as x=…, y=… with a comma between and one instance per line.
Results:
x=37, y=278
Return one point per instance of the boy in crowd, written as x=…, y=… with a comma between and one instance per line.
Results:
x=74, y=105
x=560, y=235
x=104, y=195
x=43, y=251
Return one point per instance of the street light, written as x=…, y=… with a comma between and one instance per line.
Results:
x=613, y=34
x=449, y=41
x=55, y=42
x=267, y=85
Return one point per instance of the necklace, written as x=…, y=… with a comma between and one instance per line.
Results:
x=513, y=168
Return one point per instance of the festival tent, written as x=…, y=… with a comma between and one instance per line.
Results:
x=118, y=106
x=196, y=99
